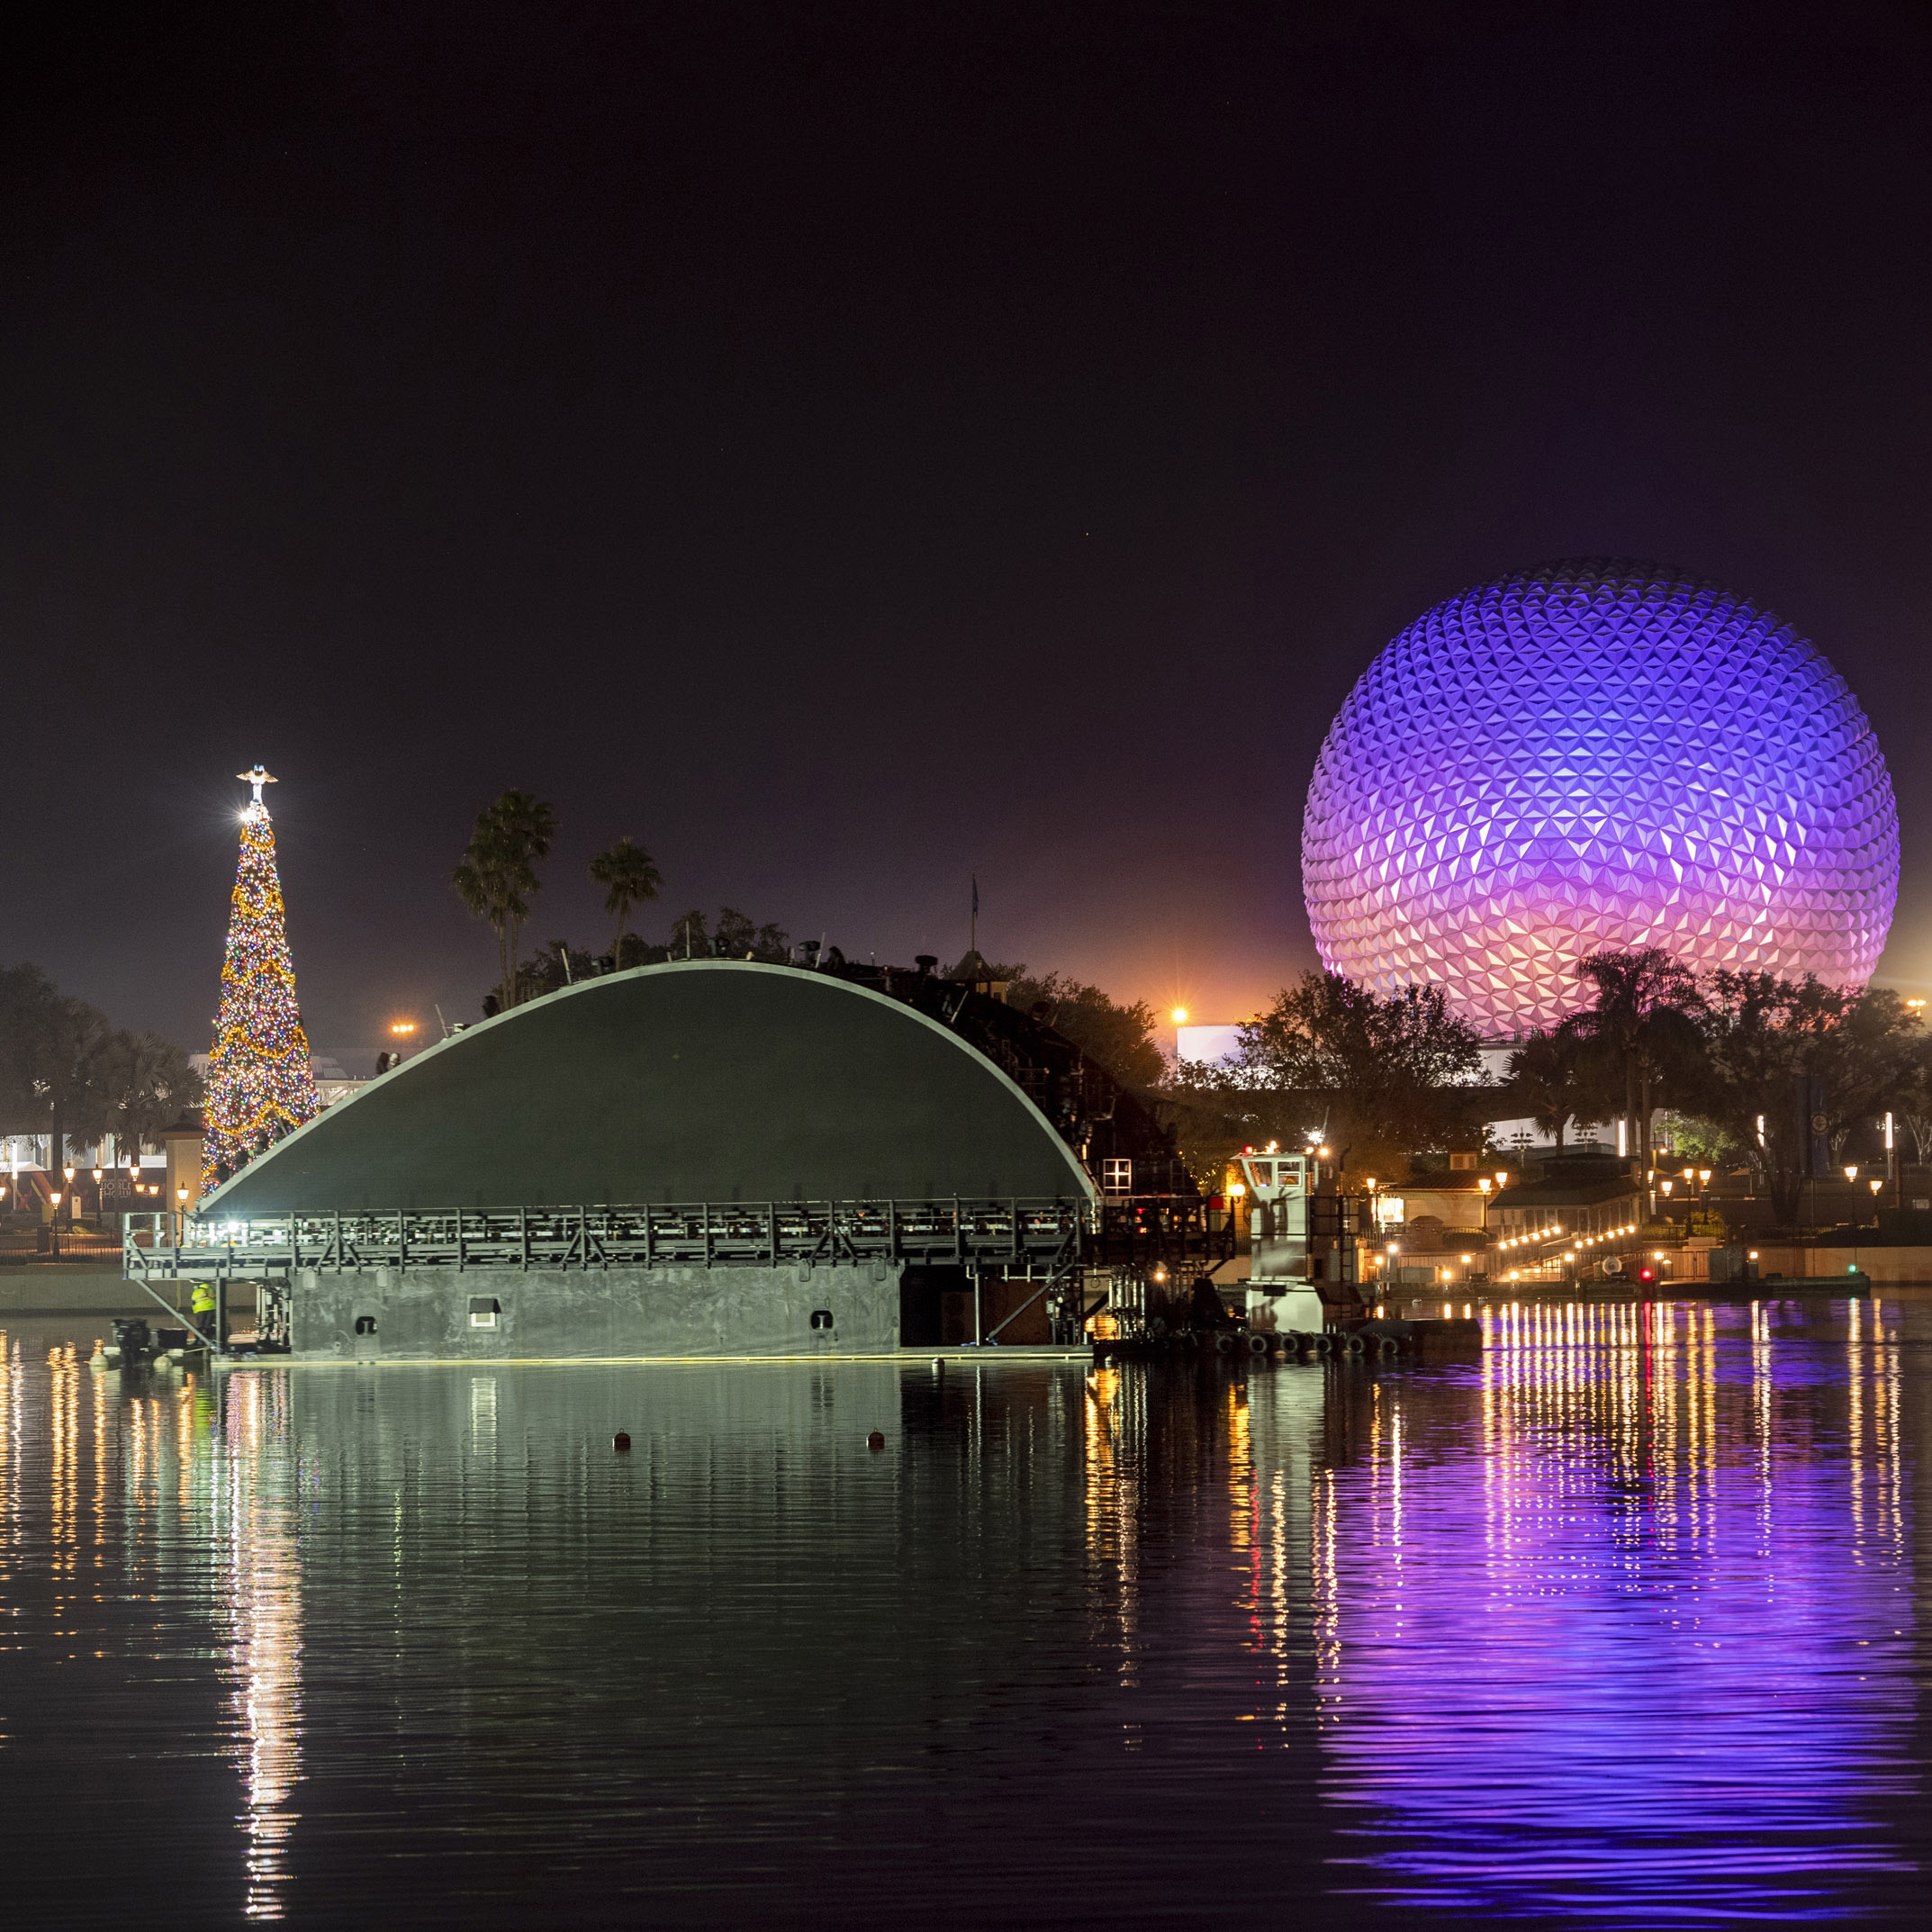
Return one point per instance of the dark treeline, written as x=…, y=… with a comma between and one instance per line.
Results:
x=1381, y=1079
x=1760, y=1071
x=1119, y=1039
x=1757, y=1070
x=560, y=963
x=67, y=1073
x=498, y=876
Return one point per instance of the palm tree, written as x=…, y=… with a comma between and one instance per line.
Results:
x=146, y=1081
x=499, y=868
x=631, y=877
x=1543, y=1070
x=1641, y=1023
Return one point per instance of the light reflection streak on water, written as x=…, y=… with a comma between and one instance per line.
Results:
x=63, y=1481
x=189, y=1514
x=101, y=1444
x=12, y=1377
x=253, y=1508
x=1483, y=1619
x=1112, y=1516
x=1610, y=1677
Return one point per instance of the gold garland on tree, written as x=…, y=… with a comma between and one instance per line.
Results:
x=261, y=1083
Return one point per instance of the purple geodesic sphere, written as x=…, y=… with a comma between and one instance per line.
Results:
x=1596, y=753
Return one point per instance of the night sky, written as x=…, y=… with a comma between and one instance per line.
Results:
x=848, y=448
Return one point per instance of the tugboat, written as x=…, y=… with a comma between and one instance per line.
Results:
x=1304, y=1272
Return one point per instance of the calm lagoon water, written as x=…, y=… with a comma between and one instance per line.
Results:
x=1621, y=1623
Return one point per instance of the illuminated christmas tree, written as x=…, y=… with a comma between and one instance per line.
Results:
x=261, y=1083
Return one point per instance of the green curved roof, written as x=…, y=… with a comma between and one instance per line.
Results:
x=702, y=1081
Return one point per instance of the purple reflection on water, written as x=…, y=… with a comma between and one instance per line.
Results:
x=1628, y=1636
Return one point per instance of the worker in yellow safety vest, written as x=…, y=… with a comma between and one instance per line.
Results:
x=201, y=1306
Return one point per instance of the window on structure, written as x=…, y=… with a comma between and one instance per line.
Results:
x=365, y=1324
x=1462, y=1163
x=1116, y=1177
x=821, y=1318
x=483, y=1311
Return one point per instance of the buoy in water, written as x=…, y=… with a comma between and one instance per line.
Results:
x=620, y=1440
x=876, y=1440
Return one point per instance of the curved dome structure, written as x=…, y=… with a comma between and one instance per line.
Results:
x=705, y=1080
x=1596, y=753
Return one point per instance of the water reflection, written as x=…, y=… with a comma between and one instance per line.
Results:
x=1616, y=1621
x=147, y=1548
x=254, y=1516
x=1637, y=1642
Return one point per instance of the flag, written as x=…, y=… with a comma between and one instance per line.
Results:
x=976, y=895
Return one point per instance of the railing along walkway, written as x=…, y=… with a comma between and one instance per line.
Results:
x=705, y=1233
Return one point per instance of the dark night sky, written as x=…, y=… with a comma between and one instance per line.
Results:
x=848, y=447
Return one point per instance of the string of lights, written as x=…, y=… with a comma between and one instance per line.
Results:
x=261, y=1084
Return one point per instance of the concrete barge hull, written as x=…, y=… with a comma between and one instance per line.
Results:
x=563, y=1315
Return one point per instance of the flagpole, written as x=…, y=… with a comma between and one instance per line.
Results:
x=972, y=938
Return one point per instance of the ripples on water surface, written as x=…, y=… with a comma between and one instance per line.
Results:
x=1619, y=1624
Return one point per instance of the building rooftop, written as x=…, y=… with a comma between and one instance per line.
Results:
x=1566, y=1191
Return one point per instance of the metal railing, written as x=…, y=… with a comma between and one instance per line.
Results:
x=1179, y=1230
x=704, y=1234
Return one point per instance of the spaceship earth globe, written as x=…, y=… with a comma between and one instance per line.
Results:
x=1589, y=754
